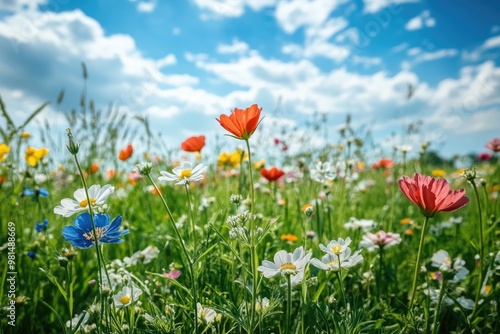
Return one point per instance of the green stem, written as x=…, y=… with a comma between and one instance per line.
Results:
x=339, y=277
x=184, y=249
x=191, y=218
x=481, y=250
x=438, y=307
x=417, y=265
x=289, y=303
x=100, y=260
x=253, y=246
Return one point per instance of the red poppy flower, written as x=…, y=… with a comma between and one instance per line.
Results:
x=383, y=163
x=272, y=174
x=431, y=194
x=193, y=144
x=126, y=153
x=241, y=123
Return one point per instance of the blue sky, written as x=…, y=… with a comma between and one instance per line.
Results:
x=184, y=62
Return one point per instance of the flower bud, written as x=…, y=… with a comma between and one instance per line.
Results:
x=73, y=146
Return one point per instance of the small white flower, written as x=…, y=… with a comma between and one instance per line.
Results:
x=334, y=262
x=360, y=224
x=442, y=260
x=84, y=317
x=323, y=172
x=144, y=256
x=183, y=174
x=97, y=195
x=205, y=313
x=127, y=296
x=286, y=264
x=261, y=304
x=336, y=246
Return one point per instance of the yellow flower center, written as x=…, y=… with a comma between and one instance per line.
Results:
x=332, y=263
x=124, y=299
x=99, y=232
x=185, y=173
x=288, y=266
x=84, y=203
x=336, y=249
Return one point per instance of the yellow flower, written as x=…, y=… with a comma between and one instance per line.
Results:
x=405, y=221
x=34, y=155
x=25, y=134
x=4, y=149
x=438, y=173
x=238, y=157
x=223, y=159
x=258, y=165
x=289, y=237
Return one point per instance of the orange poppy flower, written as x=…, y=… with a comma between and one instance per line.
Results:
x=272, y=174
x=126, y=153
x=289, y=237
x=193, y=144
x=94, y=168
x=241, y=123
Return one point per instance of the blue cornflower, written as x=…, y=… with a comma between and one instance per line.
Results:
x=39, y=192
x=81, y=235
x=32, y=255
x=41, y=227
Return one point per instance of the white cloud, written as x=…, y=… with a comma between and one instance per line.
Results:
x=145, y=6
x=400, y=47
x=420, y=21
x=293, y=14
x=373, y=6
x=20, y=5
x=230, y=8
x=168, y=60
x=366, y=61
x=478, y=53
x=237, y=47
x=176, y=31
x=421, y=56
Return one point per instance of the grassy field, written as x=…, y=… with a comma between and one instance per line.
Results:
x=189, y=243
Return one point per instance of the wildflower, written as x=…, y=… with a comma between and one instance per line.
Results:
x=127, y=296
x=144, y=256
x=183, y=174
x=172, y=274
x=335, y=262
x=438, y=173
x=432, y=195
x=241, y=123
x=323, y=172
x=494, y=145
x=34, y=155
x=97, y=196
x=235, y=199
x=37, y=192
x=404, y=148
x=94, y=168
x=272, y=174
x=289, y=237
x=145, y=167
x=81, y=234
x=286, y=264
x=193, y=144
x=258, y=165
x=382, y=239
x=485, y=156
x=31, y=255
x=126, y=153
x=308, y=209
x=360, y=224
x=384, y=163
x=336, y=246
x=451, y=269
x=41, y=227
x=205, y=313
x=4, y=149
x=78, y=319
x=261, y=304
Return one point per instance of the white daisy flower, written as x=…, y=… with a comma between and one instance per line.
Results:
x=323, y=172
x=205, y=313
x=183, y=174
x=286, y=264
x=127, y=296
x=334, y=262
x=336, y=246
x=360, y=224
x=78, y=318
x=97, y=195
x=455, y=268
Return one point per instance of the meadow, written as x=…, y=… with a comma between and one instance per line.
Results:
x=103, y=237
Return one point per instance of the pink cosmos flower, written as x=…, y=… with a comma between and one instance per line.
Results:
x=485, y=156
x=380, y=239
x=494, y=145
x=431, y=194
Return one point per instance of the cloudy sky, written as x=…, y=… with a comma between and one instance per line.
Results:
x=184, y=62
